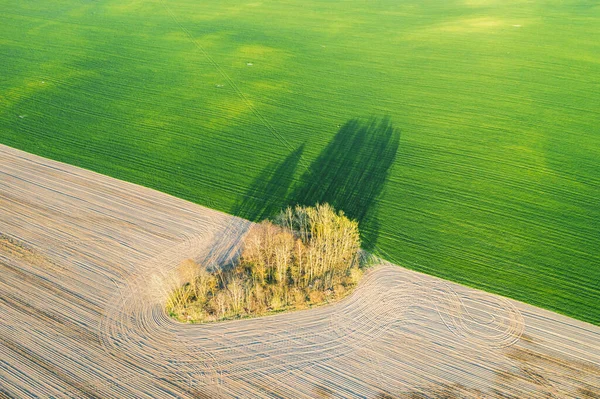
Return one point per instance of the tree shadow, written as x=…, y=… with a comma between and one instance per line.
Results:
x=268, y=192
x=350, y=173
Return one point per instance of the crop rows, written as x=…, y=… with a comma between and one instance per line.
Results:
x=87, y=263
x=495, y=182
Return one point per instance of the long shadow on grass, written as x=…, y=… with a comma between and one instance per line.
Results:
x=350, y=173
x=268, y=193
x=265, y=197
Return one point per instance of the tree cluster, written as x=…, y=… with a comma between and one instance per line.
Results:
x=306, y=256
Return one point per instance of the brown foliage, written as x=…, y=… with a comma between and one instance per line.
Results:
x=308, y=255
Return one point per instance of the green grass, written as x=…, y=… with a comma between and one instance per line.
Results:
x=496, y=182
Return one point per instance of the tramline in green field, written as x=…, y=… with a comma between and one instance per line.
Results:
x=464, y=135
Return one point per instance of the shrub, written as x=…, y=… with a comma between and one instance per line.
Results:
x=305, y=254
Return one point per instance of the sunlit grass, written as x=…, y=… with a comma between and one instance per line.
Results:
x=496, y=180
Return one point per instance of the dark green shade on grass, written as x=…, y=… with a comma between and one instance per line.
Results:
x=493, y=180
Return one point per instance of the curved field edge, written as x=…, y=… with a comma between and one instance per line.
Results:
x=290, y=309
x=305, y=256
x=495, y=184
x=82, y=258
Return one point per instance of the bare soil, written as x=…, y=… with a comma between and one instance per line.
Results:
x=85, y=262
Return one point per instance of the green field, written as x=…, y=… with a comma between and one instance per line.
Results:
x=243, y=107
